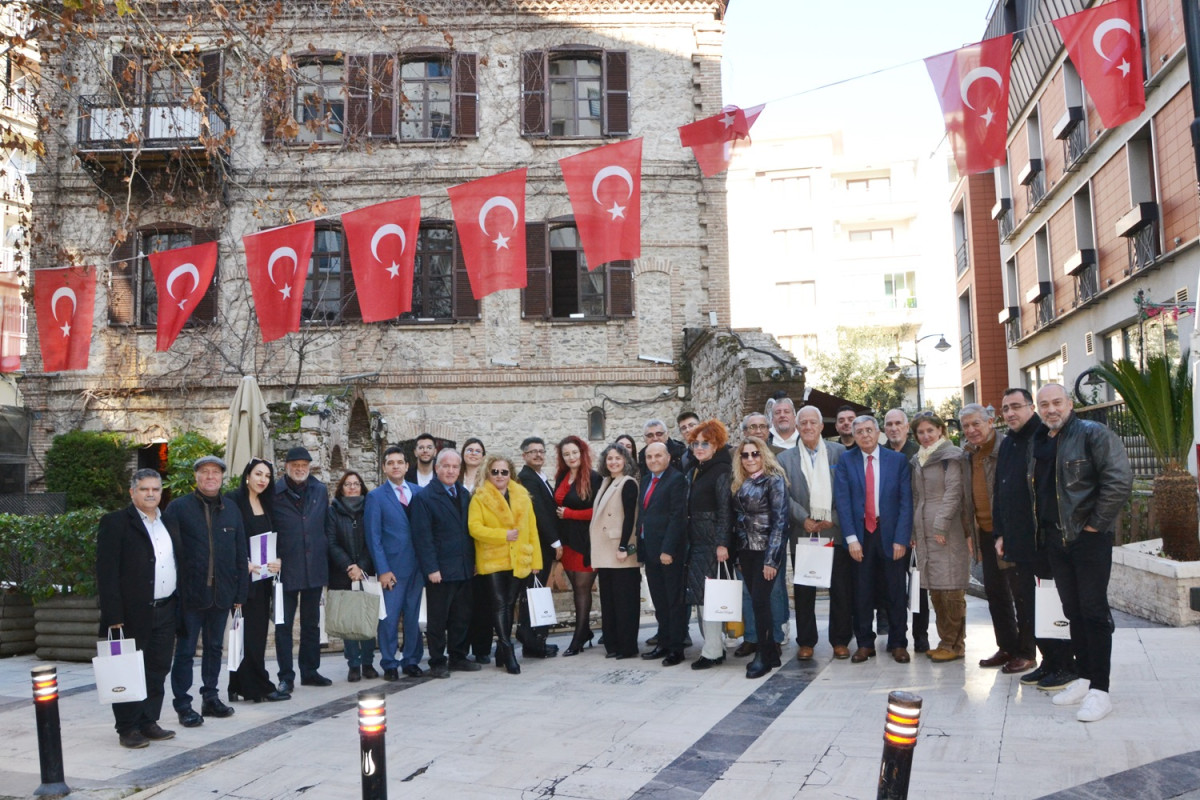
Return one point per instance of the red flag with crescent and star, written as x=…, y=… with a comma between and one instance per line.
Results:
x=277, y=264
x=605, y=187
x=972, y=87
x=382, y=240
x=1105, y=46
x=712, y=138
x=181, y=276
x=64, y=299
x=489, y=215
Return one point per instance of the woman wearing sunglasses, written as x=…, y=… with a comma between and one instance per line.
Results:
x=502, y=524
x=760, y=518
x=709, y=529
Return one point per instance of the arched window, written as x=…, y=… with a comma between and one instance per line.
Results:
x=596, y=421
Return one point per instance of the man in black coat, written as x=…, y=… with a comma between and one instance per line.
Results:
x=213, y=578
x=301, y=503
x=446, y=553
x=662, y=540
x=136, y=578
x=533, y=450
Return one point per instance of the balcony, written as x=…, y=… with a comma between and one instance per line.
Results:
x=1140, y=229
x=1035, y=190
x=963, y=260
x=1045, y=311
x=1087, y=285
x=967, y=347
x=1012, y=331
x=108, y=129
x=1071, y=131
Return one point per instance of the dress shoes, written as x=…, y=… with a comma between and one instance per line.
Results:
x=276, y=696
x=134, y=740
x=155, y=733
x=412, y=671
x=440, y=671
x=657, y=652
x=215, y=708
x=285, y=687
x=862, y=654
x=708, y=663
x=804, y=653
x=464, y=665
x=673, y=659
x=393, y=674
x=941, y=655
x=746, y=649
x=900, y=656
x=997, y=659
x=652, y=641
x=189, y=718
x=315, y=679
x=354, y=675
x=1018, y=664
x=369, y=672
x=841, y=652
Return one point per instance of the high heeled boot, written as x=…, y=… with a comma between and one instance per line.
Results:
x=506, y=655
x=760, y=666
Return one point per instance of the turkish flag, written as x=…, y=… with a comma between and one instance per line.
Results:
x=1105, y=45
x=277, y=264
x=63, y=299
x=382, y=240
x=605, y=187
x=972, y=87
x=181, y=276
x=712, y=138
x=489, y=215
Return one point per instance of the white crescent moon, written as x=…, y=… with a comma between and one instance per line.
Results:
x=281, y=252
x=976, y=74
x=383, y=231
x=60, y=293
x=493, y=202
x=1114, y=24
x=183, y=269
x=609, y=172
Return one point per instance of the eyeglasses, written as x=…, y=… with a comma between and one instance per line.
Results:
x=503, y=472
x=534, y=451
x=751, y=455
x=351, y=485
x=700, y=445
x=758, y=426
x=1015, y=406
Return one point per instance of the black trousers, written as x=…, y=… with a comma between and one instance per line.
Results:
x=895, y=582
x=620, y=607
x=666, y=584
x=479, y=632
x=309, y=602
x=1056, y=653
x=157, y=643
x=503, y=589
x=251, y=679
x=1081, y=570
x=751, y=564
x=448, y=612
x=1000, y=588
x=841, y=603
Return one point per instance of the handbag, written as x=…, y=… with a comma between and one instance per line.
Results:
x=814, y=563
x=1049, y=621
x=352, y=614
x=541, y=604
x=235, y=639
x=120, y=670
x=914, y=586
x=722, y=596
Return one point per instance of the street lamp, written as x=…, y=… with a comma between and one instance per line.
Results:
x=892, y=368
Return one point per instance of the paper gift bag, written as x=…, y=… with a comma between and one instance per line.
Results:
x=541, y=604
x=120, y=673
x=279, y=601
x=235, y=639
x=722, y=597
x=814, y=563
x=914, y=591
x=373, y=586
x=1049, y=621
x=423, y=614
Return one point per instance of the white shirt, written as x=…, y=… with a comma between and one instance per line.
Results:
x=402, y=493
x=164, y=555
x=423, y=480
x=851, y=538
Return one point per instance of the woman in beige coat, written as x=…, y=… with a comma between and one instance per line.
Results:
x=941, y=540
x=614, y=552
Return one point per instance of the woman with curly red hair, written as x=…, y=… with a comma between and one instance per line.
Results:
x=576, y=484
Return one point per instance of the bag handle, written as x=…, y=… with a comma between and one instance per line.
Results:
x=536, y=583
x=728, y=570
x=120, y=631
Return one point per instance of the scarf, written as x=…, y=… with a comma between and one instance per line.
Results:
x=925, y=452
x=820, y=487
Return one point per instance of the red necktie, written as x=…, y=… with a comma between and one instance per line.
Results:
x=870, y=518
x=650, y=491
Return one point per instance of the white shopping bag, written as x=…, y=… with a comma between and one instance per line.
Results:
x=423, y=614
x=321, y=621
x=120, y=672
x=235, y=639
x=279, y=601
x=373, y=586
x=814, y=563
x=722, y=596
x=914, y=591
x=541, y=604
x=1049, y=621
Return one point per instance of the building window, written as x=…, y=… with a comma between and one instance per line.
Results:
x=574, y=92
x=132, y=293
x=329, y=279
x=803, y=346
x=869, y=185
x=319, y=101
x=425, y=92
x=790, y=191
x=798, y=294
x=433, y=275
x=900, y=289
x=596, y=424
x=872, y=235
x=147, y=292
x=559, y=284
x=793, y=245
x=1038, y=375
x=575, y=291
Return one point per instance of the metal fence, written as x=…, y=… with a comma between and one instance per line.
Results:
x=1117, y=417
x=26, y=504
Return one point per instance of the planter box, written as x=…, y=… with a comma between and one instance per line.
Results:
x=1154, y=588
x=67, y=627
x=16, y=624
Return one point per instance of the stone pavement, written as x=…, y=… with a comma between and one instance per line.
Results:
x=590, y=727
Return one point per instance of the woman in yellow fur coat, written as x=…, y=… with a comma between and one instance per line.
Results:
x=506, y=547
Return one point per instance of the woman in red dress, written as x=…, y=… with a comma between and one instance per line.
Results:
x=576, y=486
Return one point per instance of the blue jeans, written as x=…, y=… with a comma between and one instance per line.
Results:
x=779, y=609
x=210, y=622
x=359, y=653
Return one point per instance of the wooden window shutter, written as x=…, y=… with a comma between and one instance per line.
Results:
x=466, y=307
x=358, y=96
x=126, y=73
x=212, y=70
x=533, y=93
x=206, y=309
x=466, y=95
x=535, y=298
x=620, y=289
x=616, y=93
x=350, y=309
x=383, y=96
x=121, y=281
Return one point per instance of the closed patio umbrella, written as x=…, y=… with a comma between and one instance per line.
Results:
x=247, y=426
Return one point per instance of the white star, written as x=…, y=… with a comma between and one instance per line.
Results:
x=617, y=211
x=181, y=303
x=66, y=329
x=1124, y=67
x=987, y=117
x=286, y=291
x=394, y=270
x=501, y=241
x=728, y=120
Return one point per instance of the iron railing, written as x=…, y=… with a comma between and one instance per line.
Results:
x=1074, y=146
x=967, y=346
x=1045, y=311
x=1035, y=190
x=964, y=260
x=1087, y=284
x=1143, y=247
x=1006, y=224
x=1012, y=331
x=1118, y=418
x=108, y=124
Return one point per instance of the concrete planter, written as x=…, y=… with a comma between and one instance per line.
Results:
x=67, y=627
x=16, y=624
x=1154, y=588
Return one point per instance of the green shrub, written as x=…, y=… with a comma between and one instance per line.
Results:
x=182, y=452
x=56, y=553
x=91, y=467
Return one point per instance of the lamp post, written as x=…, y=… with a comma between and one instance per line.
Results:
x=892, y=368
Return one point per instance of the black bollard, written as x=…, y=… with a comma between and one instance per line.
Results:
x=899, y=739
x=49, y=732
x=372, y=725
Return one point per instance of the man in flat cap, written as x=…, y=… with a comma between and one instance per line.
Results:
x=212, y=578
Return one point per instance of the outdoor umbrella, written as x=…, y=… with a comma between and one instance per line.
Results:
x=247, y=426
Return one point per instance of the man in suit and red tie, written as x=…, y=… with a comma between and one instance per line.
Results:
x=872, y=489
x=389, y=539
x=662, y=539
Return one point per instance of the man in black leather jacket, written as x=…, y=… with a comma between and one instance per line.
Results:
x=1081, y=478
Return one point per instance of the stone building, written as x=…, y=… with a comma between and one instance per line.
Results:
x=241, y=124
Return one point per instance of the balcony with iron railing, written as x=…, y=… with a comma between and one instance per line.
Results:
x=1035, y=190
x=1012, y=332
x=962, y=259
x=108, y=128
x=17, y=102
x=1045, y=311
x=1143, y=247
x=967, y=347
x=1087, y=284
x=1074, y=147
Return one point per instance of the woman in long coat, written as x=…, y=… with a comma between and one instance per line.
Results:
x=614, y=553
x=710, y=530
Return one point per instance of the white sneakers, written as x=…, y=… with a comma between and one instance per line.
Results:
x=1096, y=706
x=1074, y=693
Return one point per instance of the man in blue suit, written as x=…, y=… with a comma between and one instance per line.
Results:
x=872, y=489
x=390, y=541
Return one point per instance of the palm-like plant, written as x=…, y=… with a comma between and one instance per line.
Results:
x=1160, y=401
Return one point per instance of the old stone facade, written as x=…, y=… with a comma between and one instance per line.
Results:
x=327, y=112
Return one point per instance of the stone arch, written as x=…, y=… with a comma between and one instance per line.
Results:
x=358, y=431
x=653, y=264
x=337, y=462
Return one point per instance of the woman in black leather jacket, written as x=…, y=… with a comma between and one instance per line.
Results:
x=709, y=530
x=350, y=560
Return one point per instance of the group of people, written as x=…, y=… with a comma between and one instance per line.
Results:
x=471, y=532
